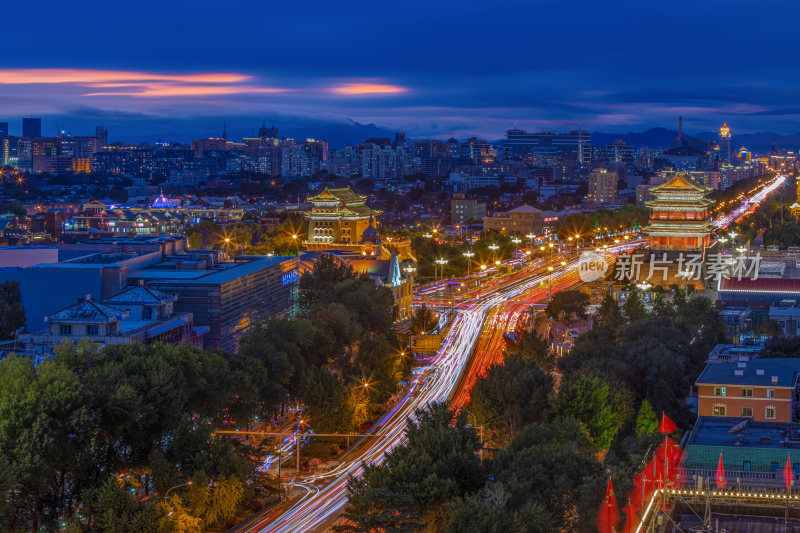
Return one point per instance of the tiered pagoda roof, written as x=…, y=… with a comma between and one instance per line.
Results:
x=680, y=193
x=347, y=203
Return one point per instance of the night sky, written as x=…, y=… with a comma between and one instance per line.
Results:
x=432, y=68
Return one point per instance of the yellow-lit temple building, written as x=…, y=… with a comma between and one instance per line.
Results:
x=680, y=217
x=341, y=220
x=340, y=223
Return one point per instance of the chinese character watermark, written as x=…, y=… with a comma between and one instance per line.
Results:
x=688, y=266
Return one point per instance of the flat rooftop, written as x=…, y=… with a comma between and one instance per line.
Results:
x=713, y=431
x=210, y=277
x=759, y=372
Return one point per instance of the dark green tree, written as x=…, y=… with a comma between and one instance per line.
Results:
x=568, y=306
x=330, y=404
x=438, y=463
x=633, y=308
x=423, y=320
x=12, y=314
x=587, y=399
x=533, y=347
x=646, y=421
x=511, y=396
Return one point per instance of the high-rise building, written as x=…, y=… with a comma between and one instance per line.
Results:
x=725, y=143
x=569, y=153
x=101, y=134
x=31, y=127
x=3, y=129
x=602, y=187
x=619, y=152
x=477, y=151
x=400, y=139
x=268, y=133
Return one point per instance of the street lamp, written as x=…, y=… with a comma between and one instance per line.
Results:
x=530, y=237
x=475, y=419
x=175, y=487
x=441, y=261
x=549, y=282
x=468, y=255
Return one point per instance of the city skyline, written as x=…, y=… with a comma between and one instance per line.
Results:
x=466, y=70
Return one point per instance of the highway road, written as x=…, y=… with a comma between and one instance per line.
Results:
x=450, y=375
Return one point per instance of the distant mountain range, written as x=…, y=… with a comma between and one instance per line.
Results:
x=662, y=137
x=136, y=128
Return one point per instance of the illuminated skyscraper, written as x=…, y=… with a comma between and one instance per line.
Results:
x=568, y=153
x=725, y=143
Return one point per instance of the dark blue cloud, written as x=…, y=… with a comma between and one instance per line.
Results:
x=468, y=67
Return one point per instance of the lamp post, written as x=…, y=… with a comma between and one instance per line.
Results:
x=441, y=261
x=530, y=237
x=175, y=487
x=468, y=255
x=549, y=282
x=475, y=419
x=493, y=247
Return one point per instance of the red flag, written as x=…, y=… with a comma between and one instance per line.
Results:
x=667, y=425
x=630, y=518
x=608, y=516
x=721, y=479
x=788, y=475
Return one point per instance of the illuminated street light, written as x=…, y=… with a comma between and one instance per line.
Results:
x=441, y=261
x=468, y=255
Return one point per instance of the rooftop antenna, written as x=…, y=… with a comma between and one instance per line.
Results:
x=225, y=130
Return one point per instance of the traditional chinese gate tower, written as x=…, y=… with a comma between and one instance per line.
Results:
x=679, y=215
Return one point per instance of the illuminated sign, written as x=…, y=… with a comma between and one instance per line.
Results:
x=289, y=277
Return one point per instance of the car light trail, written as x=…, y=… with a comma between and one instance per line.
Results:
x=451, y=373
